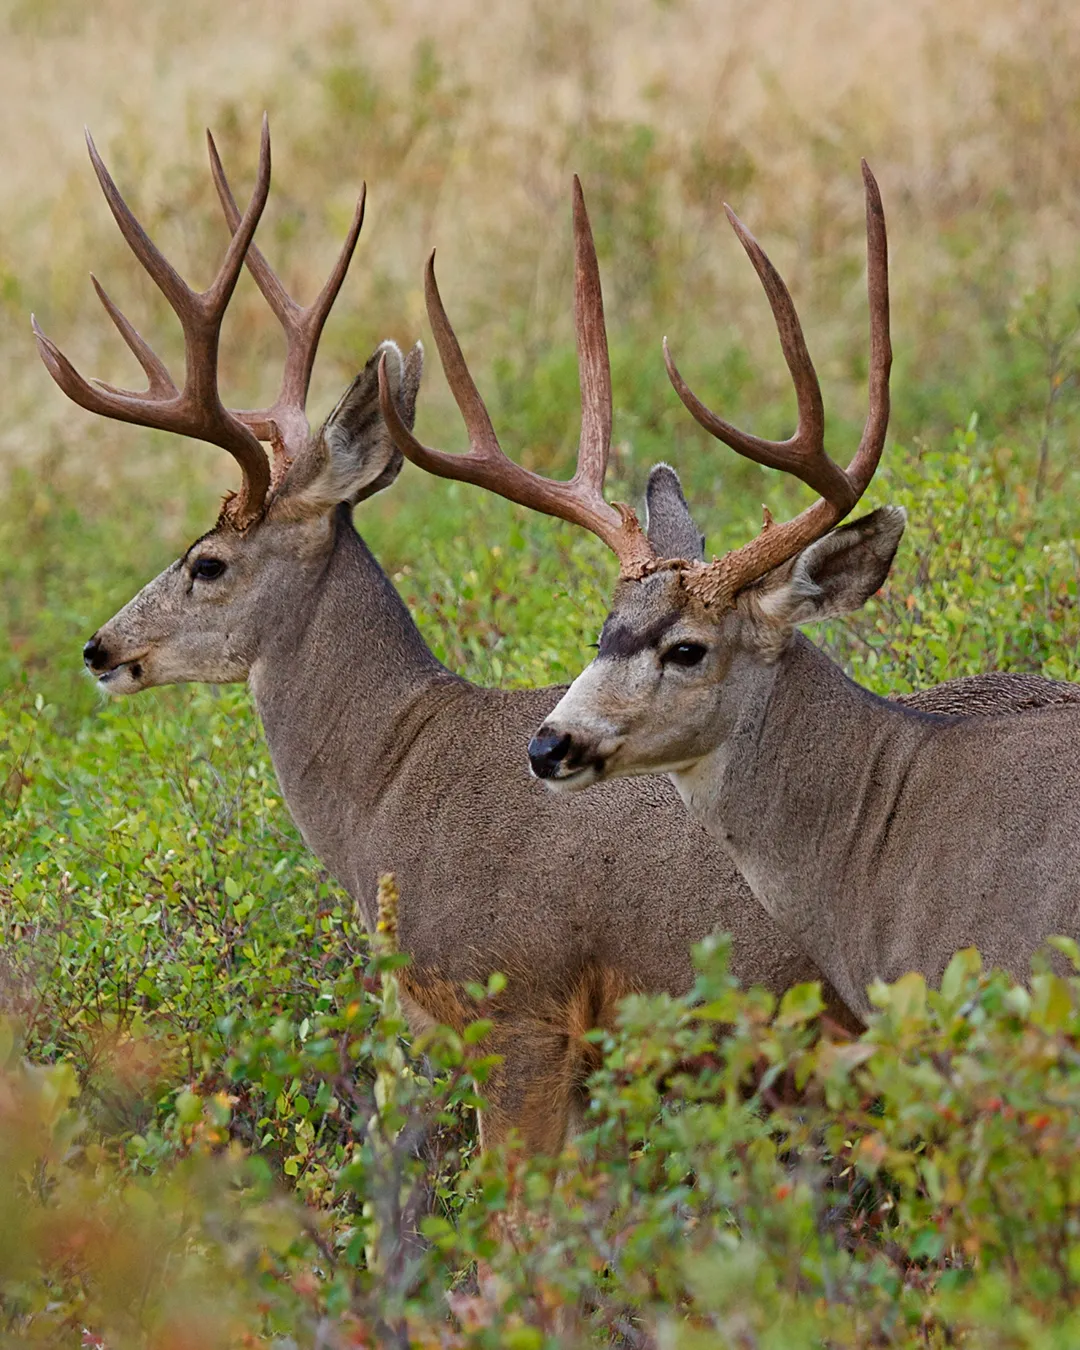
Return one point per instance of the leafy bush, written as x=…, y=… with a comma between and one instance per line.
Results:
x=986, y=578
x=205, y=1065
x=747, y=1176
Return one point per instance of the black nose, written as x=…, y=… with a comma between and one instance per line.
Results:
x=94, y=654
x=547, y=750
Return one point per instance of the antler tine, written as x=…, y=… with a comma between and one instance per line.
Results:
x=580, y=500
x=777, y=543
x=302, y=326
x=167, y=279
x=485, y=457
x=483, y=443
x=196, y=410
x=158, y=378
x=266, y=279
x=864, y=465
x=594, y=365
x=803, y=454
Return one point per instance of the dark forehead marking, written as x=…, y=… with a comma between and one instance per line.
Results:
x=619, y=640
x=192, y=547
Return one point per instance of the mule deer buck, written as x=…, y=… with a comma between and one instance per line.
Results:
x=371, y=736
x=880, y=837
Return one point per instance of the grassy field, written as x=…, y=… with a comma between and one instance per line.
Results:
x=182, y=1162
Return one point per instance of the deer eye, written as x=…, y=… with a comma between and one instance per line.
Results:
x=683, y=654
x=206, y=569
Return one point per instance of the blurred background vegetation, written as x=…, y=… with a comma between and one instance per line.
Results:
x=167, y=946
x=467, y=124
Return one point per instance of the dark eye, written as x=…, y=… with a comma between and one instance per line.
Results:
x=206, y=569
x=683, y=654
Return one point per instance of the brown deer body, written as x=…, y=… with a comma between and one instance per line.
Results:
x=880, y=837
x=889, y=847
x=387, y=761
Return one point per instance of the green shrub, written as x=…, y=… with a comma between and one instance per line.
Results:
x=747, y=1176
x=205, y=1053
x=222, y=1052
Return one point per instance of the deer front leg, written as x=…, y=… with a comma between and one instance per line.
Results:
x=535, y=1091
x=531, y=1095
x=534, y=1104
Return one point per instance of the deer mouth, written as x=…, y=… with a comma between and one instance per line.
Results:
x=565, y=762
x=125, y=677
x=576, y=779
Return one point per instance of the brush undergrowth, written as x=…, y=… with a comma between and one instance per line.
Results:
x=214, y=1133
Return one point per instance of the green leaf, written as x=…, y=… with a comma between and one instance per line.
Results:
x=963, y=967
x=1052, y=1006
x=188, y=1106
x=476, y=1031
x=800, y=1004
x=522, y=1338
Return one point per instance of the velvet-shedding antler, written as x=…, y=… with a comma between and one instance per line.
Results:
x=284, y=424
x=804, y=453
x=196, y=410
x=579, y=500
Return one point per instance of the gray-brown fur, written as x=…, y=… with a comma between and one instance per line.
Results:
x=889, y=847
x=881, y=837
x=390, y=763
x=1001, y=691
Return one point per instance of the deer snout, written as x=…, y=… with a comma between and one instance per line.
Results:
x=548, y=750
x=95, y=656
x=564, y=761
x=114, y=670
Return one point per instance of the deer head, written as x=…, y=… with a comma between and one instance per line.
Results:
x=203, y=617
x=684, y=635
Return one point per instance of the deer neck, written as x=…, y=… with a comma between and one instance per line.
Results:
x=800, y=795
x=341, y=686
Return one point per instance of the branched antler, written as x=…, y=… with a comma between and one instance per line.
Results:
x=580, y=500
x=803, y=455
x=197, y=410
x=284, y=424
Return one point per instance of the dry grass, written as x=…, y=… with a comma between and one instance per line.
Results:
x=467, y=120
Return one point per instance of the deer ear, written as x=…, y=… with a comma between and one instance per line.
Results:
x=836, y=574
x=669, y=525
x=353, y=457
